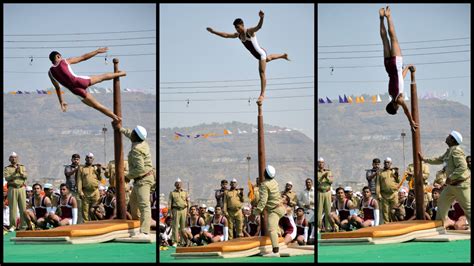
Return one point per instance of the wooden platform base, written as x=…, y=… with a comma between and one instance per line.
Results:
x=87, y=233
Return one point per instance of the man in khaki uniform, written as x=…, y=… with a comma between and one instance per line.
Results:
x=458, y=178
x=426, y=174
x=141, y=171
x=386, y=189
x=178, y=203
x=232, y=210
x=15, y=174
x=110, y=174
x=290, y=193
x=440, y=178
x=325, y=179
x=88, y=178
x=271, y=201
x=70, y=174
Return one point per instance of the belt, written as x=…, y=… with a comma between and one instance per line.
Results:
x=178, y=208
x=322, y=190
x=15, y=185
x=145, y=175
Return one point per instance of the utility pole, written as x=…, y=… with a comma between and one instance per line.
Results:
x=104, y=130
x=248, y=165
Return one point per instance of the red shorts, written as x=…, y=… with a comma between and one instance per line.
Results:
x=80, y=87
x=393, y=66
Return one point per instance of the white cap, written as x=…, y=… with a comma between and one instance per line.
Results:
x=347, y=188
x=402, y=189
x=203, y=206
x=321, y=159
x=177, y=180
x=47, y=186
x=457, y=136
x=289, y=182
x=13, y=154
x=141, y=132
x=210, y=209
x=358, y=194
x=333, y=192
x=246, y=208
x=388, y=159
x=234, y=180
x=101, y=188
x=56, y=191
x=270, y=171
x=28, y=188
x=90, y=154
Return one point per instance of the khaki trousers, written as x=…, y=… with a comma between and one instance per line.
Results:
x=17, y=199
x=272, y=227
x=387, y=203
x=140, y=205
x=88, y=201
x=448, y=195
x=236, y=220
x=324, y=204
x=178, y=223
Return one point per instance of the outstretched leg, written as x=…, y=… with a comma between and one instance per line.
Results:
x=395, y=50
x=92, y=102
x=262, y=64
x=106, y=76
x=277, y=56
x=383, y=35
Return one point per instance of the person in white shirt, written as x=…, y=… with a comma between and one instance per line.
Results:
x=306, y=200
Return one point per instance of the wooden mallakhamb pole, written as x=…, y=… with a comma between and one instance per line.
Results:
x=118, y=150
x=261, y=165
x=418, y=173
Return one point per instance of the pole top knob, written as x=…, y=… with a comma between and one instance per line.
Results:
x=115, y=60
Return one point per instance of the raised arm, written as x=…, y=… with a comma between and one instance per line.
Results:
x=259, y=25
x=223, y=34
x=401, y=102
x=75, y=60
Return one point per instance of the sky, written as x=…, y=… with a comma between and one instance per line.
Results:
x=189, y=53
x=358, y=24
x=65, y=21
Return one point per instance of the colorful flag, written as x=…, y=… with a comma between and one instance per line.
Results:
x=328, y=100
x=227, y=132
x=345, y=99
x=349, y=100
x=340, y=99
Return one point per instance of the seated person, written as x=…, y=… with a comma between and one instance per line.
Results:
x=68, y=206
x=456, y=219
x=410, y=206
x=302, y=227
x=398, y=211
x=370, y=211
x=194, y=227
x=287, y=225
x=40, y=206
x=219, y=227
x=166, y=233
x=432, y=206
x=342, y=206
x=251, y=225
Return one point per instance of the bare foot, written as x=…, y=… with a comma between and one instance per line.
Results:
x=286, y=57
x=387, y=11
x=260, y=99
x=382, y=12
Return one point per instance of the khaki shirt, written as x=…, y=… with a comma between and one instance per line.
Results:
x=178, y=200
x=424, y=168
x=139, y=157
x=440, y=177
x=324, y=182
x=13, y=178
x=110, y=173
x=233, y=200
x=387, y=182
x=292, y=195
x=88, y=178
x=270, y=197
x=456, y=166
x=256, y=193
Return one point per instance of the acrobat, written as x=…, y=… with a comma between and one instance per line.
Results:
x=393, y=62
x=249, y=40
x=61, y=73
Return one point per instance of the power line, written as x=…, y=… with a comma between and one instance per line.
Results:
x=77, y=33
x=384, y=81
x=365, y=66
x=194, y=92
x=229, y=86
x=216, y=81
x=83, y=46
x=110, y=55
x=371, y=44
x=42, y=72
x=242, y=112
x=236, y=99
x=91, y=40
x=371, y=51
x=377, y=56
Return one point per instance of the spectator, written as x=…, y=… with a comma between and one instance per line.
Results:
x=410, y=206
x=287, y=226
x=301, y=227
x=386, y=189
x=220, y=193
x=432, y=206
x=68, y=205
x=456, y=218
x=290, y=193
x=370, y=214
x=194, y=228
x=398, y=211
x=342, y=206
x=371, y=174
x=252, y=225
x=40, y=207
x=218, y=227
